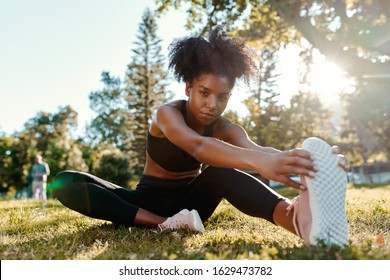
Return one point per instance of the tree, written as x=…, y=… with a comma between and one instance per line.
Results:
x=112, y=124
x=261, y=103
x=305, y=117
x=113, y=166
x=369, y=122
x=285, y=127
x=146, y=85
x=11, y=166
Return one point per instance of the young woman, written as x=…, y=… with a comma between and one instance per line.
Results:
x=185, y=134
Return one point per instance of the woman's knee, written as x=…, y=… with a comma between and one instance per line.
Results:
x=71, y=191
x=61, y=181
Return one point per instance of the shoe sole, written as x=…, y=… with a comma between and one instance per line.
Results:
x=198, y=224
x=327, y=193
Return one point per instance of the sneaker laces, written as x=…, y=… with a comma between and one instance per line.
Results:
x=294, y=206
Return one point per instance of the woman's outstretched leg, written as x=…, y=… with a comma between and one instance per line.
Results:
x=245, y=192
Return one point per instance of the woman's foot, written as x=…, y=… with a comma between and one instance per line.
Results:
x=184, y=219
x=319, y=211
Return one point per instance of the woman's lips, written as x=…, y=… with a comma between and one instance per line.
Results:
x=207, y=115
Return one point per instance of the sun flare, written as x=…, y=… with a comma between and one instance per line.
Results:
x=328, y=81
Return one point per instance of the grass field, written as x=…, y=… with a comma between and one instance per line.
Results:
x=30, y=231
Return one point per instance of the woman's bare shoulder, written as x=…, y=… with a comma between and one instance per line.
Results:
x=165, y=115
x=223, y=124
x=176, y=104
x=226, y=130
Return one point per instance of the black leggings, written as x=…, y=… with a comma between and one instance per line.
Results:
x=96, y=198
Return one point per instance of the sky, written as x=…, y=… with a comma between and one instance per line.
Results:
x=52, y=54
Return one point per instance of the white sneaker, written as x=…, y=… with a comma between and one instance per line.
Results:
x=319, y=212
x=184, y=219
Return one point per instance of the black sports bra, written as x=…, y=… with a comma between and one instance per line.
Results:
x=168, y=155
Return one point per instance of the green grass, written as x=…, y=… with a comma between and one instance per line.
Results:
x=30, y=231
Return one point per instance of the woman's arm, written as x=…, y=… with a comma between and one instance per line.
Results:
x=234, y=150
x=238, y=136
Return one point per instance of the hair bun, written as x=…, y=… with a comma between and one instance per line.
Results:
x=218, y=33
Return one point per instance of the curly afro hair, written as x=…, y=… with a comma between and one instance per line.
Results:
x=226, y=57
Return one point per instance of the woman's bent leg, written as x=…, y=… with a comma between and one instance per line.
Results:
x=93, y=197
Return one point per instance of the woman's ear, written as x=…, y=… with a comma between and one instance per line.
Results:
x=188, y=88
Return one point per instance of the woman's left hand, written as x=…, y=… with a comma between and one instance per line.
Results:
x=343, y=163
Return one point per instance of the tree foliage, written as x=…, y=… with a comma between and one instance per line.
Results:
x=262, y=100
x=368, y=120
x=112, y=124
x=114, y=167
x=11, y=164
x=352, y=32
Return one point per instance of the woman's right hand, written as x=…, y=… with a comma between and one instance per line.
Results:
x=279, y=166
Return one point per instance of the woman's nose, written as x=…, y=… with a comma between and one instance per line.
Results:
x=211, y=102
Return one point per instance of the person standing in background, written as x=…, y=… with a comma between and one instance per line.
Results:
x=40, y=171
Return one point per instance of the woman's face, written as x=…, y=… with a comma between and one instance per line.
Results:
x=208, y=97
